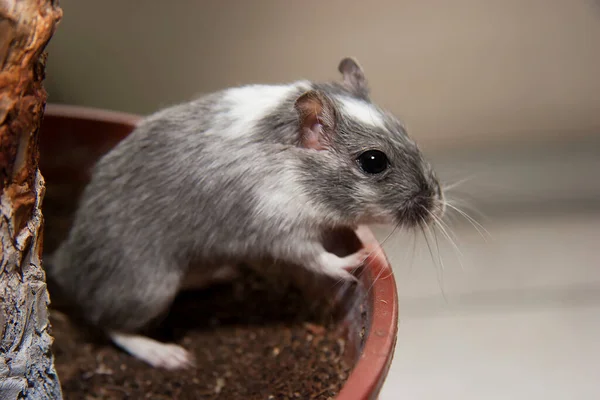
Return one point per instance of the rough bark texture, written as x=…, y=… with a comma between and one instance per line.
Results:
x=26, y=362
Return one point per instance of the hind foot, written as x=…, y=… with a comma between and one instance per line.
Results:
x=157, y=354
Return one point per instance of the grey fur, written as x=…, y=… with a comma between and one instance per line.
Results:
x=184, y=191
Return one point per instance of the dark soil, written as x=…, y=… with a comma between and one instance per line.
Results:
x=250, y=341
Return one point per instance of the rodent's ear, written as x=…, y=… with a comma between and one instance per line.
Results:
x=354, y=77
x=317, y=120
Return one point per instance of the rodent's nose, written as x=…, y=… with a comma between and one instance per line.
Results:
x=418, y=209
x=424, y=200
x=438, y=206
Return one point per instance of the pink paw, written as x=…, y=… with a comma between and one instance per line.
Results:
x=357, y=259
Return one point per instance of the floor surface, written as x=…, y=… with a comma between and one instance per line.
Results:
x=520, y=319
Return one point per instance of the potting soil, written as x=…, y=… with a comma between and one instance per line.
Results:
x=250, y=342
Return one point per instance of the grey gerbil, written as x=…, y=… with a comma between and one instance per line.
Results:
x=249, y=173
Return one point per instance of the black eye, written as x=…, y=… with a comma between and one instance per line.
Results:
x=373, y=161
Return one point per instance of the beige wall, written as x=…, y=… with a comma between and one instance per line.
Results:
x=484, y=69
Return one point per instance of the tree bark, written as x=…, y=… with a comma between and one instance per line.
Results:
x=26, y=361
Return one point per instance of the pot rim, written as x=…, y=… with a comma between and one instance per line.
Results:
x=91, y=113
x=371, y=369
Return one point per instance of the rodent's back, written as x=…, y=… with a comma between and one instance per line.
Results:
x=189, y=162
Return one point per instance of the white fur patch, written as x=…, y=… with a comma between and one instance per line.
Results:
x=159, y=355
x=282, y=198
x=280, y=195
x=249, y=104
x=363, y=112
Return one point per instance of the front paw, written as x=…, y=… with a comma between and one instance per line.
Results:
x=338, y=267
x=357, y=260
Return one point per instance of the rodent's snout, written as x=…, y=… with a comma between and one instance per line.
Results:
x=417, y=210
x=423, y=207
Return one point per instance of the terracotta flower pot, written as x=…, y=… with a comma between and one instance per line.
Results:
x=82, y=135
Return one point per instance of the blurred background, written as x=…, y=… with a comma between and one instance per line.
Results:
x=504, y=98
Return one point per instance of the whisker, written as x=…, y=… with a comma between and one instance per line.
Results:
x=473, y=222
x=380, y=245
x=437, y=247
x=466, y=205
x=439, y=274
x=389, y=235
x=456, y=184
x=413, y=251
x=375, y=280
x=442, y=227
x=446, y=226
x=390, y=274
x=459, y=254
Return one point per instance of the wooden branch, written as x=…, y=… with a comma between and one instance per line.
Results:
x=26, y=362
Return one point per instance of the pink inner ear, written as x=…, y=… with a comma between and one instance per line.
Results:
x=313, y=137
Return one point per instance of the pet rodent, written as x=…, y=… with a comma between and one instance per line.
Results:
x=245, y=174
